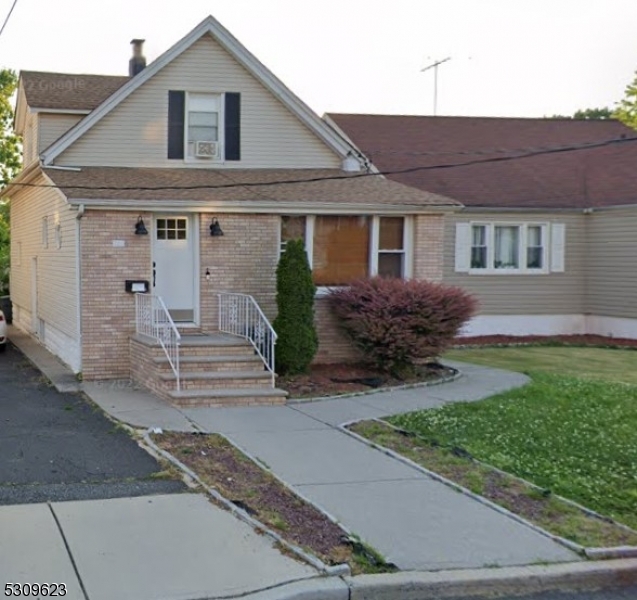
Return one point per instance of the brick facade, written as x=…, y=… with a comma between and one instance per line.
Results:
x=243, y=260
x=108, y=311
x=429, y=246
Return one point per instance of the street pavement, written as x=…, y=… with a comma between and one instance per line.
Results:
x=175, y=546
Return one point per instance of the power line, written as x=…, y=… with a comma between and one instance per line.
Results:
x=8, y=16
x=415, y=169
x=483, y=152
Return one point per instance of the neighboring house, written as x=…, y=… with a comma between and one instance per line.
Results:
x=547, y=243
x=202, y=141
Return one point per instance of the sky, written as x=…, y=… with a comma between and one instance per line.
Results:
x=514, y=58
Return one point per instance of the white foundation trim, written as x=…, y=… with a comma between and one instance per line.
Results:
x=63, y=346
x=550, y=325
x=611, y=326
x=525, y=325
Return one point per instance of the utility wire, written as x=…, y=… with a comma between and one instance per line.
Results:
x=489, y=151
x=8, y=16
x=415, y=169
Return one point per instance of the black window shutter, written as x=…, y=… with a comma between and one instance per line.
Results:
x=233, y=126
x=176, y=117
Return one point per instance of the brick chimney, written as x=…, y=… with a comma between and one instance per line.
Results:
x=138, y=61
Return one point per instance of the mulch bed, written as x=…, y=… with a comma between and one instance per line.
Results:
x=557, y=340
x=221, y=466
x=337, y=379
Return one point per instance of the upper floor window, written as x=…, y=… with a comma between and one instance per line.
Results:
x=203, y=118
x=204, y=126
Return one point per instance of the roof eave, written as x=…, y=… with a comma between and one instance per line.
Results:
x=261, y=207
x=59, y=111
x=25, y=176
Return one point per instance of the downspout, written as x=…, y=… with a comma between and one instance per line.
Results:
x=78, y=269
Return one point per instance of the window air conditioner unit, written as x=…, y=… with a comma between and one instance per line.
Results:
x=206, y=149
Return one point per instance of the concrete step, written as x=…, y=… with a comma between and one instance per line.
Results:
x=228, y=397
x=202, y=345
x=215, y=380
x=206, y=363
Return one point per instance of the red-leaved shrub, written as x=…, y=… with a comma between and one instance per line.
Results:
x=398, y=323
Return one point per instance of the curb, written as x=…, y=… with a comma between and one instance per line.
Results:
x=493, y=583
x=332, y=588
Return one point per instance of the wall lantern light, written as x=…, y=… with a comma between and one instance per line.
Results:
x=140, y=228
x=215, y=228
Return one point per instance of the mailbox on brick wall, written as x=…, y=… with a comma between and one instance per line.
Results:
x=137, y=286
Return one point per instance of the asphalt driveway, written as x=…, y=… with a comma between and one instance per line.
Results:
x=56, y=447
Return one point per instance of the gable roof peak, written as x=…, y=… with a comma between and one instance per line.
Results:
x=230, y=44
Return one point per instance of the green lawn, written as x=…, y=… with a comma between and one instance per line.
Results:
x=576, y=436
x=591, y=363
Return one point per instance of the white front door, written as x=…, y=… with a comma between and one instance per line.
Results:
x=174, y=265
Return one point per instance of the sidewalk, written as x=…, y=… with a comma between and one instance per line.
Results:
x=170, y=547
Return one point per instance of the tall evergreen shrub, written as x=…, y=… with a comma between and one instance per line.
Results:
x=297, y=342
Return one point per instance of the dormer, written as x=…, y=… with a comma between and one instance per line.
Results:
x=50, y=104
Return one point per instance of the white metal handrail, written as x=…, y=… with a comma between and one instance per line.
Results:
x=153, y=320
x=239, y=314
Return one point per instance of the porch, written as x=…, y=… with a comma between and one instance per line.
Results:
x=231, y=366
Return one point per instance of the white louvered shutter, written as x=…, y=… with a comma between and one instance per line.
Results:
x=463, y=247
x=558, y=243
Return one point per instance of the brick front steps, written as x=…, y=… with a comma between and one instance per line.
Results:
x=216, y=370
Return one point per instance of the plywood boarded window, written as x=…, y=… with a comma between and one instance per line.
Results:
x=341, y=249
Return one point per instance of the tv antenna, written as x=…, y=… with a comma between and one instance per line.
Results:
x=434, y=65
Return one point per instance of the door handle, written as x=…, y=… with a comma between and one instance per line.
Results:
x=154, y=273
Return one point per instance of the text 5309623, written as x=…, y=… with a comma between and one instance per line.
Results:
x=26, y=590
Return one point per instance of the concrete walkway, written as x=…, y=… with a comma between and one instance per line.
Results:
x=414, y=521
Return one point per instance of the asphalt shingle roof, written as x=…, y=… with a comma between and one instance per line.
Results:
x=68, y=91
x=333, y=186
x=603, y=176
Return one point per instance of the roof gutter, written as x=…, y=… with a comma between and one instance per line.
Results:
x=519, y=209
x=261, y=207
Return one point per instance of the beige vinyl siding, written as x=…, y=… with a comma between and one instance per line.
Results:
x=57, y=281
x=52, y=126
x=30, y=140
x=513, y=294
x=612, y=263
x=135, y=133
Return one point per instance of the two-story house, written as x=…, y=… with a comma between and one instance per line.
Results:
x=152, y=208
